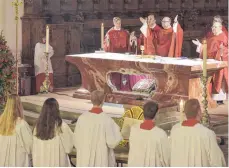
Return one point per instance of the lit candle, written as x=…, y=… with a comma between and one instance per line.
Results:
x=102, y=35
x=47, y=39
x=204, y=58
x=181, y=110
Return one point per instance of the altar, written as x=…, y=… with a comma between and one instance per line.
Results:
x=176, y=78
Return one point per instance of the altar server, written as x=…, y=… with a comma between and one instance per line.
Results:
x=52, y=138
x=149, y=145
x=96, y=135
x=192, y=144
x=15, y=135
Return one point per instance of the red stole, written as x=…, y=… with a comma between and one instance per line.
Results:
x=176, y=43
x=164, y=41
x=150, y=40
x=147, y=125
x=96, y=110
x=190, y=122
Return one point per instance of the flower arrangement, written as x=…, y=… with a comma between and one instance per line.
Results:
x=7, y=71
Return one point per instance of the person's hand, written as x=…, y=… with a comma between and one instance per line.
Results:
x=175, y=20
x=142, y=20
x=196, y=42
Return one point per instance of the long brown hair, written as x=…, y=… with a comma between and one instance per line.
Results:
x=48, y=120
x=13, y=110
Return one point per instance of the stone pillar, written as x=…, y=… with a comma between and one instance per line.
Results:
x=2, y=15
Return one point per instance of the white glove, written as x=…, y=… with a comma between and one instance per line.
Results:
x=142, y=20
x=175, y=20
x=196, y=42
x=175, y=24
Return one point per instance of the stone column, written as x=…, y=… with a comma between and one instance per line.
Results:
x=2, y=15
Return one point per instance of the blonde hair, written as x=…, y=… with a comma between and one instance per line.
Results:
x=13, y=110
x=97, y=97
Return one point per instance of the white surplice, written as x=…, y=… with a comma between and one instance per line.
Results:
x=15, y=149
x=195, y=147
x=148, y=148
x=95, y=137
x=54, y=152
x=40, y=58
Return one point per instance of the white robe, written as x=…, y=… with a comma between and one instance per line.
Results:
x=195, y=147
x=95, y=137
x=15, y=149
x=148, y=148
x=54, y=152
x=40, y=59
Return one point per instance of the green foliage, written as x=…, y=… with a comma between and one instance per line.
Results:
x=7, y=71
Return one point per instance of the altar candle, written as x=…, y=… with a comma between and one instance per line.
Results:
x=181, y=110
x=47, y=39
x=204, y=58
x=102, y=35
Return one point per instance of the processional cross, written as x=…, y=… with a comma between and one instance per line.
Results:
x=16, y=5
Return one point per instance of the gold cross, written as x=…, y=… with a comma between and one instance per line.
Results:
x=16, y=4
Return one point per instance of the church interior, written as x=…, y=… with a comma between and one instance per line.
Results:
x=77, y=33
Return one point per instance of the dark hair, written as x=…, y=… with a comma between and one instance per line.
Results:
x=97, y=97
x=191, y=108
x=150, y=110
x=48, y=120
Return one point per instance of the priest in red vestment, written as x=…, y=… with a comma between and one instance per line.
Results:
x=117, y=41
x=217, y=18
x=149, y=30
x=217, y=48
x=169, y=39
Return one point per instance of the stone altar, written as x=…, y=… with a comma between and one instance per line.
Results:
x=176, y=78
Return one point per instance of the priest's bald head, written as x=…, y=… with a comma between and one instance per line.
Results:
x=166, y=22
x=117, y=22
x=192, y=109
x=216, y=28
x=150, y=110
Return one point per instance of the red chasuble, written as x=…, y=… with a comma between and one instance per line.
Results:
x=118, y=41
x=150, y=40
x=215, y=52
x=169, y=43
x=147, y=125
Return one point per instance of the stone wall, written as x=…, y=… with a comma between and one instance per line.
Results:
x=75, y=25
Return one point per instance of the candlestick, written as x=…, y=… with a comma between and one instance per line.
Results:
x=205, y=117
x=47, y=39
x=102, y=35
x=181, y=105
x=204, y=58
